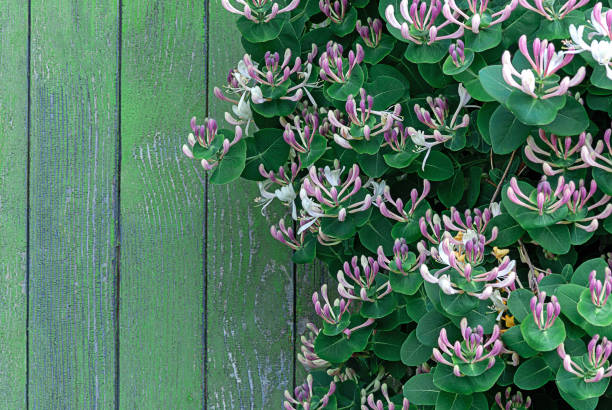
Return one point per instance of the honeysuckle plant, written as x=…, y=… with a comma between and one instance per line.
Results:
x=450, y=164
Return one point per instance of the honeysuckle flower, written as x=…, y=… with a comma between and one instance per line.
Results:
x=333, y=70
x=286, y=235
x=513, y=401
x=474, y=348
x=452, y=255
x=361, y=122
x=419, y=21
x=259, y=11
x=285, y=192
x=544, y=314
x=548, y=9
x=546, y=201
x=474, y=222
x=309, y=359
x=437, y=120
x=306, y=127
x=495, y=209
x=389, y=405
x=371, y=33
x=544, y=64
x=479, y=15
x=431, y=222
x=276, y=73
x=577, y=206
x=302, y=396
x=378, y=188
x=600, y=292
x=327, y=189
x=330, y=313
x=402, y=215
x=402, y=262
x=599, y=35
x=457, y=53
x=596, y=367
x=362, y=287
x=595, y=157
x=555, y=154
x=205, y=136
x=335, y=10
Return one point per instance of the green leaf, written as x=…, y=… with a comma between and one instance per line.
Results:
x=387, y=345
x=377, y=232
x=458, y=305
x=603, y=179
x=416, y=306
x=597, y=316
x=577, y=387
x=493, y=82
x=527, y=218
x=518, y=303
x=453, y=401
x=445, y=379
x=553, y=238
x=485, y=39
x=377, y=54
x=380, y=307
x=513, y=339
x=600, y=79
x=543, y=340
x=508, y=230
x=483, y=120
x=266, y=147
x=426, y=53
x=533, y=374
x=428, y=328
x=450, y=192
x=260, y=32
x=413, y=352
x=420, y=390
x=373, y=166
x=534, y=111
x=385, y=92
x=317, y=149
x=338, y=349
x=581, y=274
x=231, y=166
x=400, y=160
x=506, y=131
x=406, y=284
x=341, y=91
x=437, y=168
x=274, y=108
x=347, y=25
x=570, y=120
x=588, y=404
x=307, y=253
x=449, y=67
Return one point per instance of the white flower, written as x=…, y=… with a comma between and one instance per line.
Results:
x=333, y=176
x=468, y=236
x=528, y=82
x=257, y=95
x=378, y=188
x=495, y=209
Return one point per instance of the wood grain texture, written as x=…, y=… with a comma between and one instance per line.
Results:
x=13, y=202
x=162, y=206
x=309, y=279
x=249, y=275
x=72, y=188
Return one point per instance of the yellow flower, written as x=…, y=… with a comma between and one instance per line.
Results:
x=500, y=253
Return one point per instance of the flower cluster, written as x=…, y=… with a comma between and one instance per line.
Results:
x=443, y=162
x=539, y=80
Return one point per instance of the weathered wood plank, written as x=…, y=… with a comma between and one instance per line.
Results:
x=249, y=275
x=13, y=202
x=162, y=206
x=309, y=279
x=72, y=198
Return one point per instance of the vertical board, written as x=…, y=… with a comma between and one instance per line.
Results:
x=309, y=279
x=249, y=275
x=13, y=202
x=72, y=199
x=162, y=206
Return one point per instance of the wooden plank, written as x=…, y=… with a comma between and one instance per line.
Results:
x=162, y=206
x=249, y=275
x=13, y=202
x=72, y=198
x=309, y=279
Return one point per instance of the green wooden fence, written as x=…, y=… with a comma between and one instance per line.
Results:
x=127, y=280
